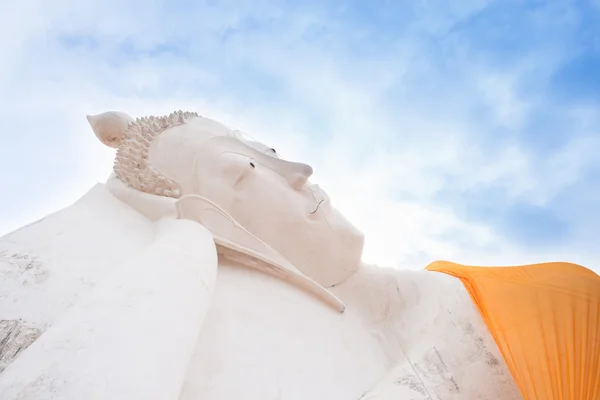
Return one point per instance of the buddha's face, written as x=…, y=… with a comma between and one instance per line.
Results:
x=270, y=197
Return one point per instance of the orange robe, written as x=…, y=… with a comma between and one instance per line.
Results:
x=545, y=318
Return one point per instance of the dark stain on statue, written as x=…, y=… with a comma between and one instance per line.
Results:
x=15, y=336
x=469, y=329
x=412, y=382
x=26, y=267
x=440, y=358
x=481, y=350
x=491, y=360
x=435, y=364
x=456, y=387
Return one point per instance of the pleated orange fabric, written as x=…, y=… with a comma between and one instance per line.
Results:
x=545, y=319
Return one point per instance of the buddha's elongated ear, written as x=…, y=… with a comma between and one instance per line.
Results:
x=110, y=126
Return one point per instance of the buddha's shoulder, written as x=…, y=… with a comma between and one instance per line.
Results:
x=378, y=291
x=46, y=265
x=372, y=277
x=97, y=218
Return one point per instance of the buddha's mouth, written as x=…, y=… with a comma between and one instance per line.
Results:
x=318, y=195
x=317, y=207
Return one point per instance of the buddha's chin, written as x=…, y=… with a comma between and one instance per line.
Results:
x=331, y=259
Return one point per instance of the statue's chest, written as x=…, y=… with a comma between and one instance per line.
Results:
x=264, y=339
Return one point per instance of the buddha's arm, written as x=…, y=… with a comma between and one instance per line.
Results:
x=132, y=338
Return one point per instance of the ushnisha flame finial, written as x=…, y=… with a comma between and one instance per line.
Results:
x=132, y=139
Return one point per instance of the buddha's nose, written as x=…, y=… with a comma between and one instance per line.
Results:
x=299, y=174
x=294, y=172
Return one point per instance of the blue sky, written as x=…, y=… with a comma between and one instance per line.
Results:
x=466, y=131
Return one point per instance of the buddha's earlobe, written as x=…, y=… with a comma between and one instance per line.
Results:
x=109, y=127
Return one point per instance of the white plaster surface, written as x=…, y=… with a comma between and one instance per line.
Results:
x=114, y=298
x=261, y=339
x=132, y=337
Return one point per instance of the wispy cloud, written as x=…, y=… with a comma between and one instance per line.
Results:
x=466, y=132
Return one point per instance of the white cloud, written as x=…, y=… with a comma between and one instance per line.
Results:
x=383, y=149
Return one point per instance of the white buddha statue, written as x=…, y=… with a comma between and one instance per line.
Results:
x=209, y=268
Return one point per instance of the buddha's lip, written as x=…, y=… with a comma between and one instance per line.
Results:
x=319, y=202
x=319, y=196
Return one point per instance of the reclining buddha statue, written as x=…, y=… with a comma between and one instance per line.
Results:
x=208, y=267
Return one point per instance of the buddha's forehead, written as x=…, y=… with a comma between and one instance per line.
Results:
x=208, y=135
x=207, y=127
